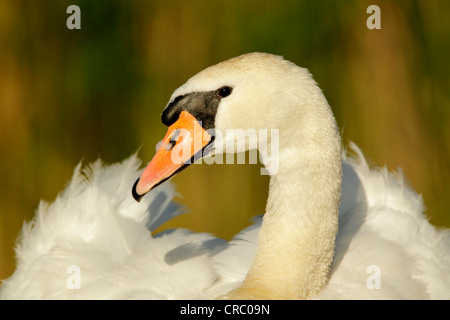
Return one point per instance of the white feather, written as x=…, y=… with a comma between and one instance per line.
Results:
x=96, y=225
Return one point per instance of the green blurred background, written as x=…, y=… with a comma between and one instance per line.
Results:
x=67, y=95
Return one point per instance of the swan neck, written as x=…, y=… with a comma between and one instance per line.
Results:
x=297, y=237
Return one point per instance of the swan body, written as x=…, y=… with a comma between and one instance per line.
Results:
x=333, y=228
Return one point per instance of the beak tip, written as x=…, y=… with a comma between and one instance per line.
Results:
x=136, y=195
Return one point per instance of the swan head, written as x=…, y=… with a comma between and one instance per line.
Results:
x=254, y=91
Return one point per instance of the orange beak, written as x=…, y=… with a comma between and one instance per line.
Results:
x=184, y=143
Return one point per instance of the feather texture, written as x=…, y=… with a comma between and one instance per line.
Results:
x=96, y=226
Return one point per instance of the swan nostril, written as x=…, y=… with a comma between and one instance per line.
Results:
x=173, y=139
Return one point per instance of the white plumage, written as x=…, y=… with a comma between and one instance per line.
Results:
x=96, y=225
x=97, y=229
x=381, y=223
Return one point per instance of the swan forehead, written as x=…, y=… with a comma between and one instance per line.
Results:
x=232, y=72
x=262, y=84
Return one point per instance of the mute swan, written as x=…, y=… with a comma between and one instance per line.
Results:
x=370, y=240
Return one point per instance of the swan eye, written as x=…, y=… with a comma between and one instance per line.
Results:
x=224, y=92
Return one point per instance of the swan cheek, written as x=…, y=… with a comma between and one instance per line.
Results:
x=182, y=145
